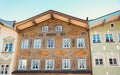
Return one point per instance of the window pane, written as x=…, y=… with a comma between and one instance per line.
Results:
x=66, y=43
x=50, y=43
x=81, y=63
x=66, y=64
x=49, y=65
x=80, y=43
x=37, y=43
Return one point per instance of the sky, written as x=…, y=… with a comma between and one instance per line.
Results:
x=23, y=9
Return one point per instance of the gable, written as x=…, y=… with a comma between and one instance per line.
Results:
x=50, y=15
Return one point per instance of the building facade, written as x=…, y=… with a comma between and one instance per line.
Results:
x=105, y=44
x=8, y=39
x=52, y=43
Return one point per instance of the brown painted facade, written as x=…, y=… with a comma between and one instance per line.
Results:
x=57, y=53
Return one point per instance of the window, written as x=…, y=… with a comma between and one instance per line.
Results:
x=99, y=61
x=109, y=37
x=37, y=43
x=22, y=64
x=25, y=43
x=119, y=37
x=44, y=28
x=8, y=44
x=80, y=43
x=81, y=63
x=49, y=65
x=66, y=43
x=112, y=25
x=66, y=64
x=96, y=38
x=35, y=64
x=112, y=61
x=4, y=69
x=8, y=47
x=50, y=43
x=58, y=28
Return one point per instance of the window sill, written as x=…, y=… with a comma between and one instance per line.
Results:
x=97, y=42
x=110, y=42
x=7, y=52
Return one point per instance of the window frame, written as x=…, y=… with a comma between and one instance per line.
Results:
x=56, y=28
x=38, y=64
x=96, y=38
x=22, y=63
x=109, y=38
x=38, y=41
x=85, y=64
x=117, y=63
x=50, y=41
x=66, y=62
x=99, y=62
x=45, y=28
x=24, y=43
x=46, y=64
x=64, y=41
x=4, y=69
x=81, y=40
x=118, y=37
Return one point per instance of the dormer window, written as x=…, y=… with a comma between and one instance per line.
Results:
x=58, y=28
x=44, y=28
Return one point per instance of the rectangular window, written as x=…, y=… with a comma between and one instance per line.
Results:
x=119, y=37
x=49, y=65
x=109, y=37
x=58, y=28
x=99, y=61
x=44, y=28
x=66, y=43
x=25, y=43
x=22, y=64
x=80, y=43
x=37, y=43
x=35, y=64
x=81, y=63
x=4, y=69
x=65, y=63
x=8, y=47
x=50, y=43
x=113, y=61
x=96, y=38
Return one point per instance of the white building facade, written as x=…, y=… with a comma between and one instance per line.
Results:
x=8, y=41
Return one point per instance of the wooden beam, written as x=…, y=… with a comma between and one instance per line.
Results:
x=34, y=23
x=69, y=22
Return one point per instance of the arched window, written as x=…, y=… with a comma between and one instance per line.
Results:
x=8, y=44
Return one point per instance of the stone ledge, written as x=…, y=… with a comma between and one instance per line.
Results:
x=54, y=71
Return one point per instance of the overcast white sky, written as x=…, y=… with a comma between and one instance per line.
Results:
x=22, y=9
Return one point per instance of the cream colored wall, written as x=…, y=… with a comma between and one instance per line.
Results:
x=7, y=58
x=104, y=49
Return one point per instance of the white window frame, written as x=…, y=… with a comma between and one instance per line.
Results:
x=22, y=64
x=51, y=42
x=117, y=63
x=109, y=37
x=37, y=43
x=48, y=64
x=66, y=43
x=8, y=48
x=4, y=69
x=25, y=43
x=99, y=62
x=36, y=64
x=58, y=28
x=44, y=28
x=118, y=37
x=96, y=38
x=67, y=63
x=80, y=62
x=80, y=41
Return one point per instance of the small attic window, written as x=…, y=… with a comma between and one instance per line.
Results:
x=111, y=25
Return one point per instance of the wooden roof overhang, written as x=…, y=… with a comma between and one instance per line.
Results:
x=48, y=15
x=105, y=21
